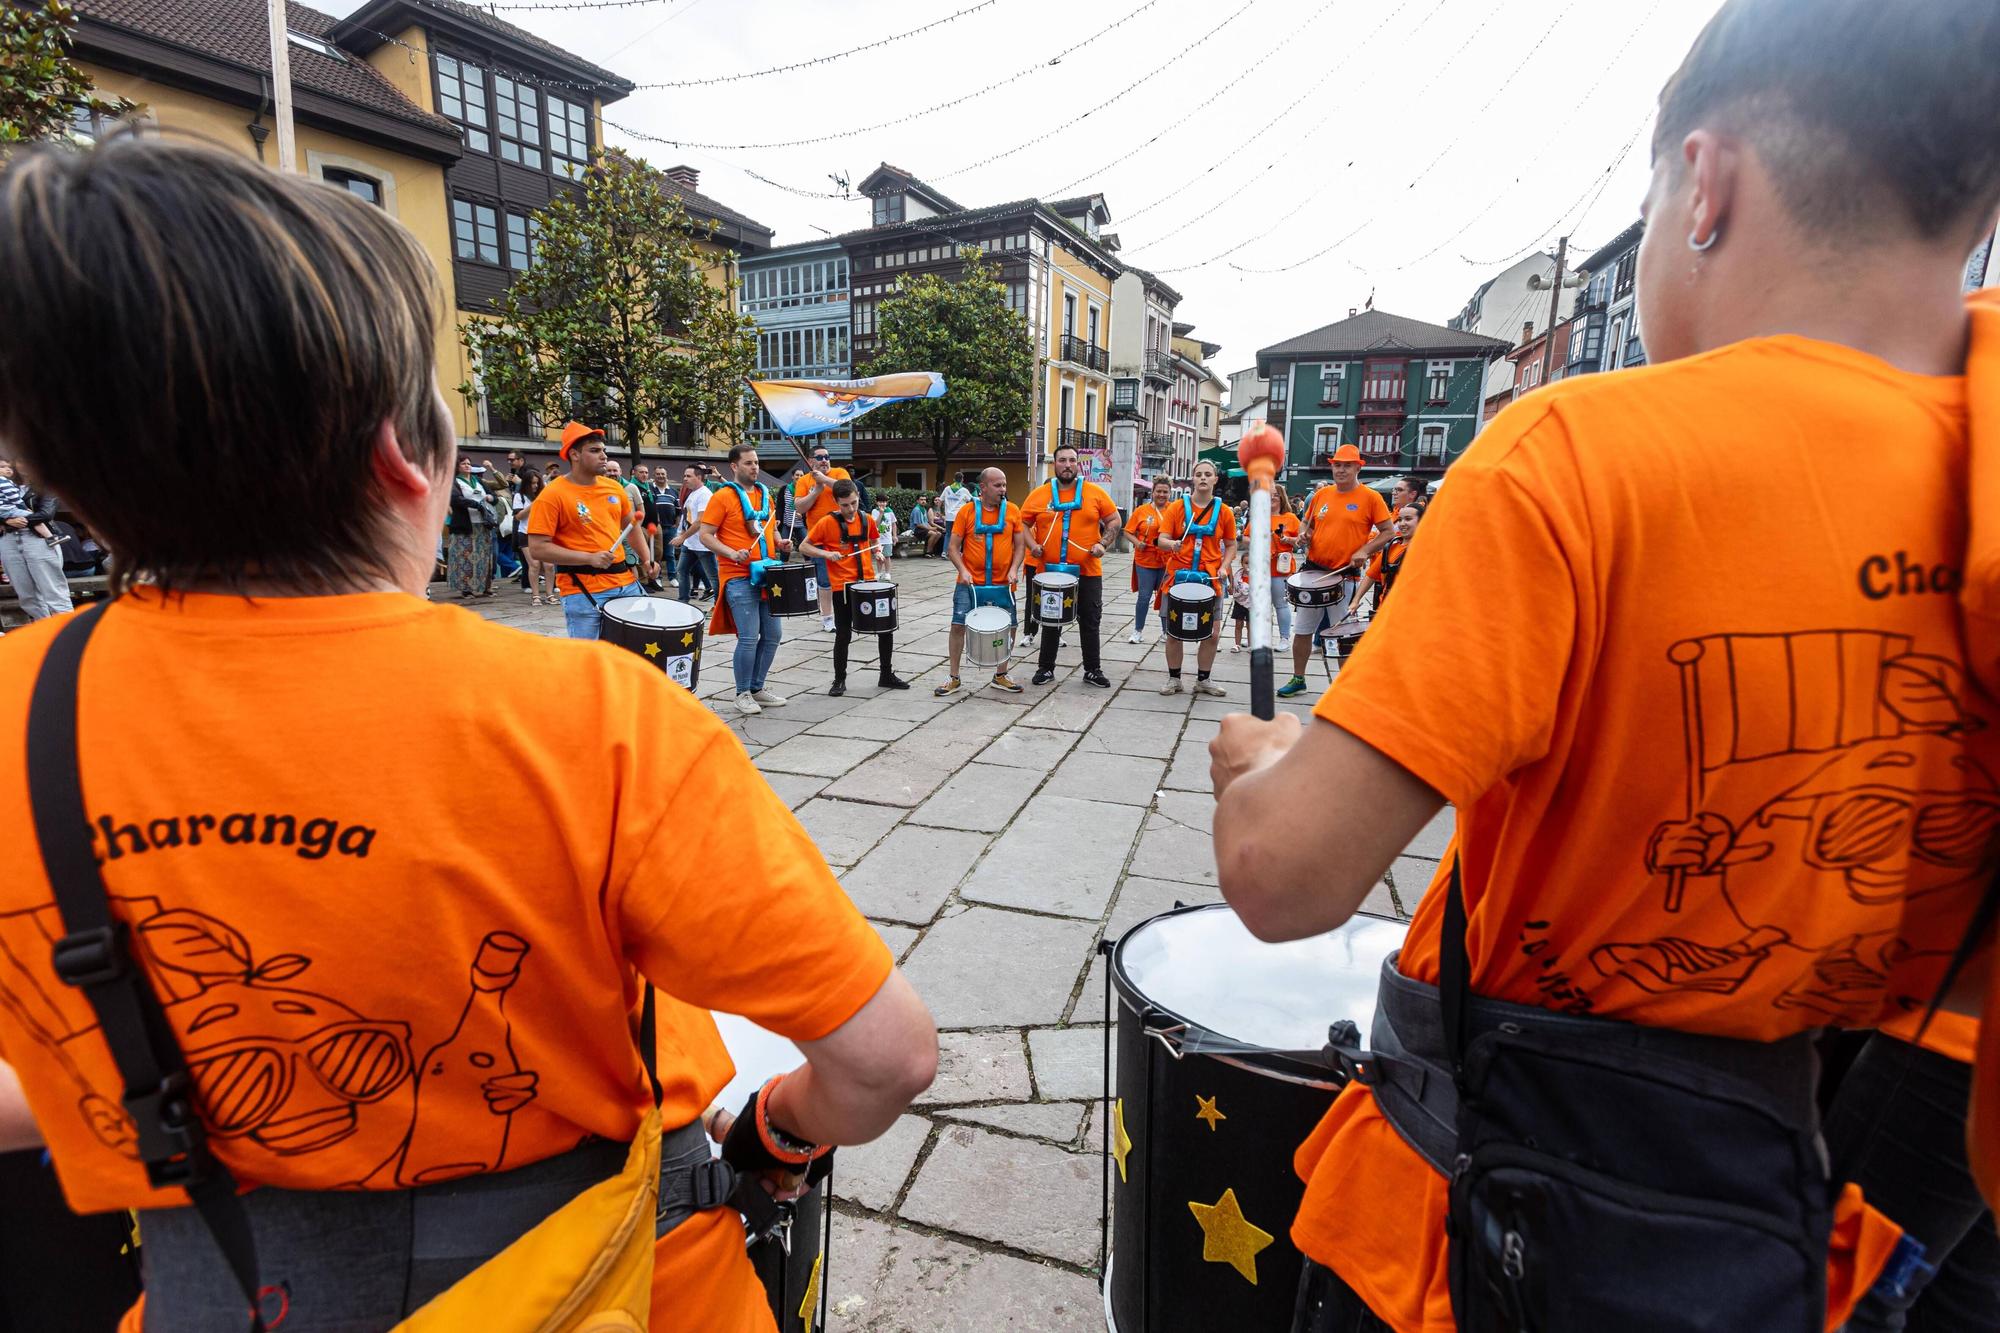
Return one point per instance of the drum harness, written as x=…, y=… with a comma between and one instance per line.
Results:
x=864, y=568
x=982, y=596
x=1591, y=1159
x=1066, y=508
x=761, y=516
x=1198, y=531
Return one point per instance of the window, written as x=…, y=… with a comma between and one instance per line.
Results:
x=1600, y=289
x=1090, y=409
x=524, y=241
x=1438, y=382
x=462, y=97
x=365, y=187
x=569, y=137
x=1628, y=264
x=1069, y=315
x=888, y=208
x=1068, y=405
x=1377, y=440
x=1017, y=298
x=1325, y=440
x=864, y=319
x=1281, y=389
x=1332, y=383
x=326, y=49
x=1635, y=349
x=1430, y=446
x=1207, y=411
x=909, y=481
x=1615, y=347
x=1385, y=382
x=1093, y=326
x=475, y=230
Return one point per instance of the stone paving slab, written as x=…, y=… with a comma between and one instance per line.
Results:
x=904, y=776
x=886, y=1279
x=821, y=756
x=1064, y=858
x=1141, y=899
x=1029, y=747
x=1174, y=851
x=898, y=938
x=1149, y=701
x=1190, y=809
x=912, y=871
x=979, y=1067
x=1067, y=1062
x=856, y=727
x=1096, y=776
x=1028, y=1196
x=983, y=797
x=986, y=967
x=1058, y=1122
x=1435, y=837
x=1069, y=709
x=795, y=789
x=873, y=1174
x=846, y=830
x=1189, y=771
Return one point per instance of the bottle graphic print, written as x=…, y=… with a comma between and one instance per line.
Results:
x=475, y=1064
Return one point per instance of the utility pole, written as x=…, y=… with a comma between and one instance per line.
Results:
x=1555, y=307
x=281, y=85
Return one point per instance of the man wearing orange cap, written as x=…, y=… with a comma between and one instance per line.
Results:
x=579, y=524
x=1345, y=523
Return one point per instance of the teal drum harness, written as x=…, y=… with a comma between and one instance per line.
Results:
x=1198, y=531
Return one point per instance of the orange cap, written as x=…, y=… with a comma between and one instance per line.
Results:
x=1346, y=453
x=576, y=432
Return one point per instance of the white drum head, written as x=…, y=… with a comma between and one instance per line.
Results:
x=1195, y=594
x=1316, y=578
x=1207, y=968
x=872, y=588
x=1054, y=581
x=655, y=612
x=987, y=620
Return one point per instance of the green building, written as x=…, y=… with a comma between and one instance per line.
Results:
x=1407, y=393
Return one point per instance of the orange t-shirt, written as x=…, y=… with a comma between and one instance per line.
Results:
x=972, y=543
x=1284, y=531
x=1086, y=526
x=1145, y=526
x=1210, y=551
x=824, y=503
x=1342, y=521
x=733, y=526
x=583, y=518
x=858, y=564
x=1395, y=552
x=372, y=990
x=1750, y=816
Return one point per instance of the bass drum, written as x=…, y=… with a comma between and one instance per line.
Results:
x=790, y=1264
x=1219, y=1078
x=873, y=606
x=664, y=632
x=1190, y=611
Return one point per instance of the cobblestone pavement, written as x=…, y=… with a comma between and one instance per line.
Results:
x=993, y=840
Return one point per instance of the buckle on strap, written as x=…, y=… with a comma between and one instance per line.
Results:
x=1345, y=1052
x=711, y=1183
x=93, y=957
x=170, y=1133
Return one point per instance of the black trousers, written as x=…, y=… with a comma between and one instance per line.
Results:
x=1328, y=1305
x=843, y=634
x=1089, y=611
x=1897, y=1129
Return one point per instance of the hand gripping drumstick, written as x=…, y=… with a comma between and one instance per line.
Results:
x=1260, y=451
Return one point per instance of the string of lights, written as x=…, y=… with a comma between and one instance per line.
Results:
x=797, y=64
x=517, y=6
x=1579, y=210
x=1071, y=121
x=905, y=119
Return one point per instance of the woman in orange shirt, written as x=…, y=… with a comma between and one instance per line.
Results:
x=1149, y=562
x=1198, y=533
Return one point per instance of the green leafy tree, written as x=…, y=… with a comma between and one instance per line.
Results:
x=41, y=88
x=964, y=329
x=615, y=322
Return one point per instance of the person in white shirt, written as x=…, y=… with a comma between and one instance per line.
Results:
x=696, y=562
x=949, y=501
x=885, y=523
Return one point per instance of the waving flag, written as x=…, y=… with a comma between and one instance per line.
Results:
x=807, y=407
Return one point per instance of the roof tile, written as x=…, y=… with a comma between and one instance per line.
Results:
x=1373, y=329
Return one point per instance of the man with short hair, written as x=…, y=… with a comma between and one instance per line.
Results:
x=951, y=498
x=33, y=562
x=1198, y=532
x=1410, y=490
x=579, y=525
x=813, y=500
x=740, y=524
x=1070, y=522
x=1345, y=523
x=696, y=563
x=847, y=543
x=1656, y=791
x=1149, y=562
x=987, y=547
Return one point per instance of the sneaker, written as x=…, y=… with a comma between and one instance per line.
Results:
x=1042, y=677
x=747, y=705
x=1211, y=689
x=1135, y=638
x=1296, y=685
x=826, y=624
x=949, y=687
x=891, y=681
x=1097, y=678
x=1000, y=682
x=770, y=700
x=835, y=690
x=1173, y=686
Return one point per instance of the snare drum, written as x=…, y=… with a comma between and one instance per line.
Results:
x=1219, y=1078
x=1316, y=587
x=790, y=1263
x=873, y=605
x=664, y=632
x=989, y=634
x=791, y=589
x=1190, y=611
x=1055, y=599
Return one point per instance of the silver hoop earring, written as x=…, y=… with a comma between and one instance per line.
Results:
x=1703, y=247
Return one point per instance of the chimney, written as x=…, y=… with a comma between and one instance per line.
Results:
x=1352, y=312
x=1527, y=331
x=684, y=175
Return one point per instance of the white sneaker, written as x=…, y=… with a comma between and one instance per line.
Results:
x=1135, y=638
x=769, y=700
x=826, y=624
x=746, y=704
x=1211, y=689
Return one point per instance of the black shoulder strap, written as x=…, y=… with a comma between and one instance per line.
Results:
x=96, y=957
x=1455, y=973
x=649, y=1043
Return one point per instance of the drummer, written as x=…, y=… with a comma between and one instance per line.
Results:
x=987, y=547
x=1345, y=523
x=740, y=525
x=1285, y=527
x=1073, y=521
x=846, y=542
x=579, y=525
x=1149, y=562
x=1651, y=784
x=1387, y=563
x=1198, y=532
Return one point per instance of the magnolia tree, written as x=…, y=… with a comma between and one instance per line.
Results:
x=41, y=88
x=615, y=321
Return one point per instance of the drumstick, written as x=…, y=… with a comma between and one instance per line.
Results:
x=1260, y=451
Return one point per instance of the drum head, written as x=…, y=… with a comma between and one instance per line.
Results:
x=872, y=588
x=1202, y=965
x=1316, y=578
x=987, y=620
x=1055, y=580
x=1195, y=594
x=654, y=612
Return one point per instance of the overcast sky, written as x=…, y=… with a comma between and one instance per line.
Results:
x=1411, y=147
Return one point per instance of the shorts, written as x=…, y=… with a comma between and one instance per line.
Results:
x=819, y=571
x=1240, y=614
x=1308, y=620
x=580, y=613
x=996, y=595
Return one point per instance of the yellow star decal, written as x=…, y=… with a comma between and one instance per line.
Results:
x=687, y=639
x=1208, y=1112
x=806, y=1311
x=652, y=650
x=1227, y=1238
x=1068, y=602
x=1121, y=1142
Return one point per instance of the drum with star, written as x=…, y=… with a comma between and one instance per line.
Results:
x=1219, y=1078
x=665, y=632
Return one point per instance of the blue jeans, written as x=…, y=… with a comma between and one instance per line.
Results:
x=964, y=599
x=1149, y=583
x=692, y=567
x=757, y=634
x=580, y=617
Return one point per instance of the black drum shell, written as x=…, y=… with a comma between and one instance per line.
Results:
x=792, y=590
x=864, y=602
x=681, y=661
x=1175, y=617
x=1332, y=593
x=1065, y=607
x=787, y=1278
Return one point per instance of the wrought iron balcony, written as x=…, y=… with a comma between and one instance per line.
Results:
x=1159, y=365
x=1071, y=438
x=1082, y=352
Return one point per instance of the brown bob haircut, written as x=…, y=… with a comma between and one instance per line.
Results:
x=1875, y=117
x=197, y=353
